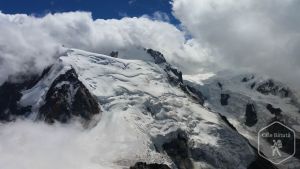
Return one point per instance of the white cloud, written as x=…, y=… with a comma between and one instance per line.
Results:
x=22, y=48
x=161, y=16
x=25, y=144
x=234, y=34
x=257, y=35
x=27, y=43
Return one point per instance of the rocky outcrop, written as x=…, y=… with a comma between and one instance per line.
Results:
x=252, y=85
x=220, y=85
x=247, y=78
x=194, y=93
x=114, y=54
x=175, y=76
x=251, y=116
x=142, y=165
x=157, y=56
x=275, y=111
x=178, y=150
x=68, y=97
x=271, y=87
x=224, y=118
x=11, y=93
x=224, y=99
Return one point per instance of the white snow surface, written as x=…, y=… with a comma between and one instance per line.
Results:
x=127, y=130
x=241, y=94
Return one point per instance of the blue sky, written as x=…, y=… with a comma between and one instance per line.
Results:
x=105, y=9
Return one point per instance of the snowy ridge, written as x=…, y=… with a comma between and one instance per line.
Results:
x=148, y=113
x=250, y=102
x=137, y=94
x=36, y=95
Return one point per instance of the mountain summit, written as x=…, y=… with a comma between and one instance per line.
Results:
x=149, y=114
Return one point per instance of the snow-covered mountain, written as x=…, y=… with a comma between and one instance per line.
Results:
x=250, y=102
x=141, y=109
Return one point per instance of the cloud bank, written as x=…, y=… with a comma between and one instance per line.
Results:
x=37, y=145
x=29, y=43
x=261, y=35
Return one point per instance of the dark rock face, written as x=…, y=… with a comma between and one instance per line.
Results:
x=194, y=93
x=253, y=85
x=275, y=111
x=270, y=87
x=68, y=97
x=174, y=75
x=251, y=117
x=157, y=56
x=267, y=87
x=205, y=156
x=244, y=79
x=248, y=78
x=224, y=118
x=10, y=95
x=178, y=150
x=284, y=92
x=224, y=99
x=114, y=54
x=220, y=85
x=141, y=165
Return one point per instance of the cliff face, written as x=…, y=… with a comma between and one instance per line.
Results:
x=11, y=93
x=66, y=98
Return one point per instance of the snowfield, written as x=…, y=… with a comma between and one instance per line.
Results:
x=243, y=90
x=141, y=113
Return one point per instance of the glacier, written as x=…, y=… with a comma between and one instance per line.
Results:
x=148, y=112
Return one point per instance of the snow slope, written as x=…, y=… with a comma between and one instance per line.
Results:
x=143, y=117
x=229, y=94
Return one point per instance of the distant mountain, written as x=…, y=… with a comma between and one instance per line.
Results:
x=250, y=102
